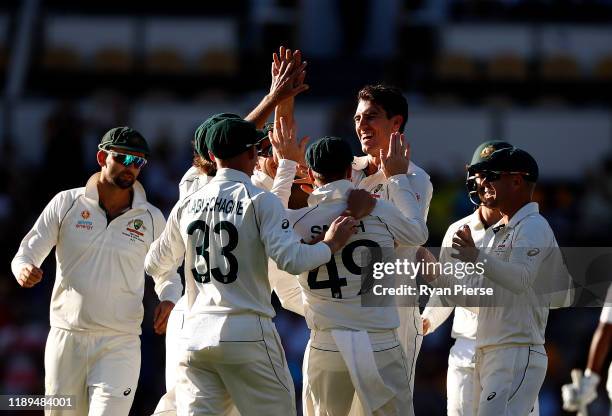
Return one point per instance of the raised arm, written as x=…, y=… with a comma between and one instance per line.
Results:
x=287, y=82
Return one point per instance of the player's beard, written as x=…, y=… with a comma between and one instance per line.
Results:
x=124, y=180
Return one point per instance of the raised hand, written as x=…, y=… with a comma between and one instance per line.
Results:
x=288, y=74
x=397, y=158
x=284, y=143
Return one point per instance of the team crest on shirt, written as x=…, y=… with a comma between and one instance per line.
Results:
x=84, y=224
x=135, y=230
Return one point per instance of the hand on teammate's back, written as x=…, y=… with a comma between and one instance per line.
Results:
x=397, y=159
x=340, y=230
x=359, y=203
x=29, y=276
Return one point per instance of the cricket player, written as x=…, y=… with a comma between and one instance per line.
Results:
x=578, y=395
x=351, y=348
x=381, y=112
x=460, y=375
x=101, y=233
x=287, y=81
x=519, y=252
x=287, y=289
x=226, y=231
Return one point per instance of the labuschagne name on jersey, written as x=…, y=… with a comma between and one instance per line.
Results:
x=135, y=230
x=214, y=203
x=84, y=224
x=316, y=230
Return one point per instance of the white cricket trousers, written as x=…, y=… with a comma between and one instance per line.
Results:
x=328, y=389
x=460, y=391
x=410, y=333
x=508, y=378
x=247, y=369
x=100, y=370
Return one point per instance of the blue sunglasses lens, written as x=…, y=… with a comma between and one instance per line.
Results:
x=127, y=160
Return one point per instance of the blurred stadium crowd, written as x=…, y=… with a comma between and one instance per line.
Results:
x=535, y=73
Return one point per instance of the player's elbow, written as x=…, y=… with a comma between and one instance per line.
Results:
x=422, y=233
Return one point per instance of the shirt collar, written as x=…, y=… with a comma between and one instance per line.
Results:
x=475, y=222
x=332, y=191
x=91, y=191
x=227, y=174
x=360, y=162
x=525, y=211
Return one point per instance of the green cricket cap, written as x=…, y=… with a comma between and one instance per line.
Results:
x=510, y=160
x=329, y=155
x=124, y=138
x=231, y=137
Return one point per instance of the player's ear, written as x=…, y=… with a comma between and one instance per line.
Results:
x=397, y=122
x=101, y=158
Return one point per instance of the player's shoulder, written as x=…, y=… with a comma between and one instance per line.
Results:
x=191, y=181
x=534, y=227
x=419, y=173
x=68, y=196
x=383, y=208
x=191, y=174
x=154, y=211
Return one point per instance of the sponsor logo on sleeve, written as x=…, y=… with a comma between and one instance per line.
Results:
x=533, y=252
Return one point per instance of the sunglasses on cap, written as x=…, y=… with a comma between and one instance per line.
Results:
x=127, y=160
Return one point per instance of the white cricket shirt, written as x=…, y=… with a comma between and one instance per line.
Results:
x=226, y=231
x=99, y=278
x=515, y=256
x=332, y=291
x=465, y=321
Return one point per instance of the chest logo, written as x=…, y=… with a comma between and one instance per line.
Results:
x=84, y=224
x=135, y=230
x=137, y=227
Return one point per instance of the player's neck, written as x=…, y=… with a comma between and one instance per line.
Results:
x=373, y=165
x=489, y=216
x=512, y=208
x=113, y=199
